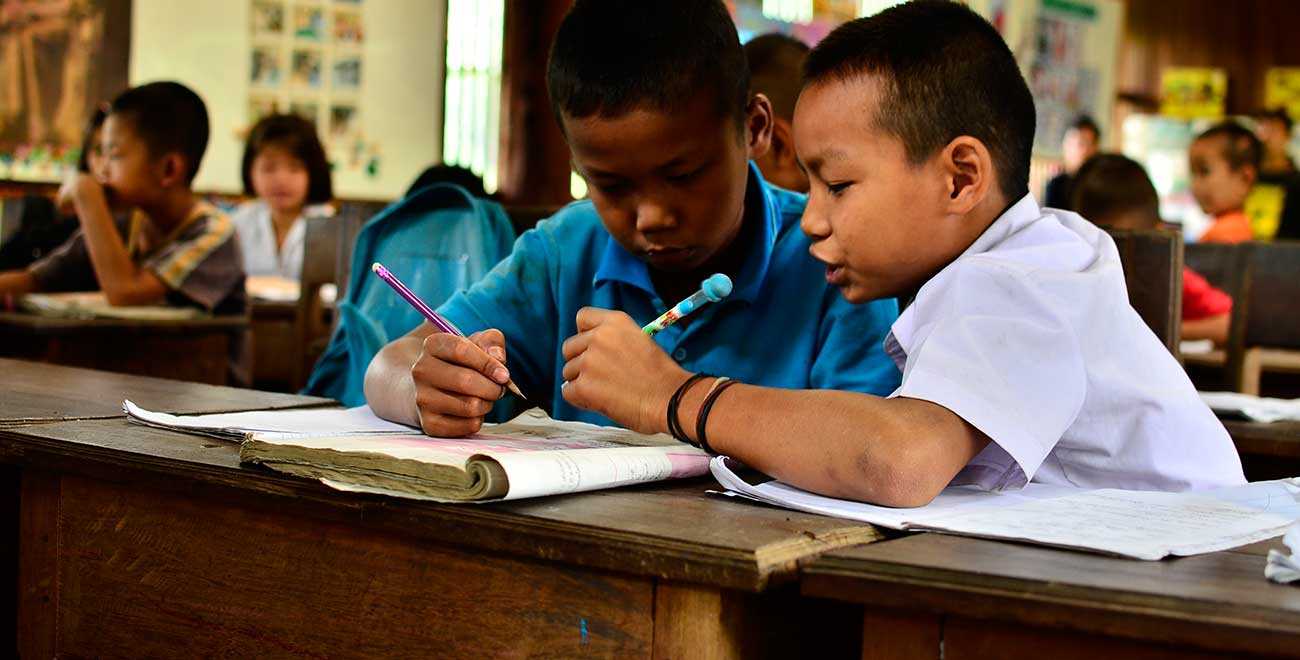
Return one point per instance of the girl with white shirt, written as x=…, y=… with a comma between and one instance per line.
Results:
x=286, y=170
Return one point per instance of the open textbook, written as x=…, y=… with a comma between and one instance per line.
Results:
x=1251, y=407
x=1136, y=524
x=529, y=456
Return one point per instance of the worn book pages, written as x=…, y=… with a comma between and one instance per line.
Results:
x=1136, y=524
x=530, y=456
x=235, y=426
x=94, y=305
x=1283, y=567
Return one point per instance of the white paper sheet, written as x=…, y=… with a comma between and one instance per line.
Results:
x=1137, y=524
x=333, y=421
x=1254, y=408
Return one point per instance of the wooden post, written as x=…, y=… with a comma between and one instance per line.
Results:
x=534, y=156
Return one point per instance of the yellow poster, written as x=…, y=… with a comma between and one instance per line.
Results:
x=1282, y=89
x=1193, y=92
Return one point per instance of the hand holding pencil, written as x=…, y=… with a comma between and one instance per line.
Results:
x=457, y=378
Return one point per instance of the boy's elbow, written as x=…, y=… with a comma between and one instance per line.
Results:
x=900, y=488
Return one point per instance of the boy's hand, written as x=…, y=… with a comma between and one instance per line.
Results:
x=617, y=371
x=79, y=186
x=457, y=381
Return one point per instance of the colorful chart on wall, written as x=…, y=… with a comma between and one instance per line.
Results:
x=1282, y=89
x=58, y=61
x=1193, y=92
x=307, y=60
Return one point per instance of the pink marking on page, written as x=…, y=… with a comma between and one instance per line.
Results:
x=687, y=465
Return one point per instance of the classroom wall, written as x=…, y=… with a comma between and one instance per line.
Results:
x=1246, y=37
x=207, y=45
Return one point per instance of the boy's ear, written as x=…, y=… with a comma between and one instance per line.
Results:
x=782, y=142
x=758, y=126
x=171, y=169
x=968, y=170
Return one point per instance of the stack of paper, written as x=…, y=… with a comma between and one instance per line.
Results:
x=1254, y=408
x=1285, y=568
x=1137, y=524
x=236, y=426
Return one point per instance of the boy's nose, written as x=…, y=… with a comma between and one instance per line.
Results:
x=652, y=216
x=813, y=223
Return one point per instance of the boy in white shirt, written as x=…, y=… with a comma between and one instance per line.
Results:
x=1021, y=357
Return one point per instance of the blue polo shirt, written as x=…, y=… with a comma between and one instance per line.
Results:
x=782, y=326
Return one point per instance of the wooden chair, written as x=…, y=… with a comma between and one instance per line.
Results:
x=1153, y=271
x=1223, y=266
x=1266, y=314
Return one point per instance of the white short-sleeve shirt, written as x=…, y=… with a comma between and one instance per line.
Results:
x=257, y=239
x=1029, y=337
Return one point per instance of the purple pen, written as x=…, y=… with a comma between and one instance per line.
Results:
x=428, y=313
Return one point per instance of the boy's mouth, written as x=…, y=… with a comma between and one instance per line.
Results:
x=836, y=275
x=667, y=257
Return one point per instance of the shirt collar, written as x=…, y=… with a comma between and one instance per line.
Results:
x=1012, y=220
x=619, y=265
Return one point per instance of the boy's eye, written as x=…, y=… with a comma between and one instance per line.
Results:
x=609, y=188
x=684, y=177
x=837, y=188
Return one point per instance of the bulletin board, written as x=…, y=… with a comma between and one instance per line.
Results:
x=369, y=73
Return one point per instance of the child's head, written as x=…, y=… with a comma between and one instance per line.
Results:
x=1274, y=129
x=91, y=160
x=1080, y=142
x=653, y=99
x=776, y=71
x=916, y=128
x=1224, y=163
x=1114, y=191
x=285, y=165
x=154, y=138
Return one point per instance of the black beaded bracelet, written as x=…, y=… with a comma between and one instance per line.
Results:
x=674, y=424
x=701, y=420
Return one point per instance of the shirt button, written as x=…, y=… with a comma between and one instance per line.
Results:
x=679, y=354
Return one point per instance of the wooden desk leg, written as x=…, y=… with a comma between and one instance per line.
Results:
x=1251, y=368
x=894, y=635
x=10, y=489
x=38, y=565
x=689, y=623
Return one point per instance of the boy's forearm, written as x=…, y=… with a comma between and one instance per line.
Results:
x=389, y=388
x=893, y=452
x=1214, y=328
x=16, y=282
x=118, y=276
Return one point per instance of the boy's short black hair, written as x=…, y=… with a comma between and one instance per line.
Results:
x=1107, y=185
x=1085, y=122
x=1275, y=114
x=168, y=117
x=945, y=72
x=94, y=123
x=776, y=69
x=298, y=137
x=1240, y=145
x=612, y=56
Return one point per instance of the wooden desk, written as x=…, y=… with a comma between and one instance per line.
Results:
x=35, y=392
x=143, y=542
x=1268, y=451
x=987, y=599
x=277, y=355
x=194, y=350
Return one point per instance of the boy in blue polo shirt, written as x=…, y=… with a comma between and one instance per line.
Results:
x=653, y=100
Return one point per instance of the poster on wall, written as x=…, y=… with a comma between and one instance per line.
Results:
x=1062, y=82
x=1282, y=90
x=58, y=62
x=307, y=59
x=1193, y=92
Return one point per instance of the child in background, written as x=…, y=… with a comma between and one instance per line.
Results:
x=184, y=249
x=285, y=168
x=1225, y=165
x=44, y=226
x=1114, y=191
x=1018, y=364
x=653, y=99
x=775, y=69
